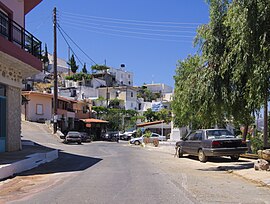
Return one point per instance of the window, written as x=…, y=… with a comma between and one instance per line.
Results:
x=198, y=136
x=191, y=136
x=3, y=23
x=39, y=109
x=129, y=76
x=154, y=135
x=131, y=105
x=131, y=94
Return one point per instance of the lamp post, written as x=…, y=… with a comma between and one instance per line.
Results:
x=116, y=96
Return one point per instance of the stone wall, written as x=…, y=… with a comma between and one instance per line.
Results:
x=13, y=118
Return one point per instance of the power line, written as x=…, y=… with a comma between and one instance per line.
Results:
x=129, y=36
x=134, y=32
x=121, y=27
x=69, y=45
x=76, y=45
x=129, y=23
x=129, y=20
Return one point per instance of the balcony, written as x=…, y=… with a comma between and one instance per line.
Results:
x=16, y=34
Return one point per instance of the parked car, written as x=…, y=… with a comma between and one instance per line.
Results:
x=139, y=140
x=73, y=136
x=110, y=136
x=211, y=142
x=85, y=137
x=127, y=135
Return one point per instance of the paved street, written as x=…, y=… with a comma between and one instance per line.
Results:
x=105, y=172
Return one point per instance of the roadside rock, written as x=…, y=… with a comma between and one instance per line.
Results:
x=264, y=154
x=261, y=164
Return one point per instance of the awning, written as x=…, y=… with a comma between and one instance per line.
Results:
x=155, y=124
x=93, y=120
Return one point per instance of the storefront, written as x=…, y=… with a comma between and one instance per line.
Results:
x=3, y=124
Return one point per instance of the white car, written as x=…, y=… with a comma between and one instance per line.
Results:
x=139, y=140
x=73, y=136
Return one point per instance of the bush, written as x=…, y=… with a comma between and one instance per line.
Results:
x=256, y=143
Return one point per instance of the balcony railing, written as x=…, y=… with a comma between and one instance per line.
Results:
x=16, y=34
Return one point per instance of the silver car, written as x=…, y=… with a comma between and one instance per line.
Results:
x=139, y=140
x=73, y=136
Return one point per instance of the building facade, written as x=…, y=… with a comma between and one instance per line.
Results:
x=124, y=93
x=122, y=76
x=20, y=54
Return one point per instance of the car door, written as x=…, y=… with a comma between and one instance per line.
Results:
x=196, y=142
x=187, y=143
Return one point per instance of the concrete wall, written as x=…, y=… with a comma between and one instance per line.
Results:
x=31, y=112
x=13, y=140
x=17, y=7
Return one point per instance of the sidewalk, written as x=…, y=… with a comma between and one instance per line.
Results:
x=31, y=156
x=243, y=168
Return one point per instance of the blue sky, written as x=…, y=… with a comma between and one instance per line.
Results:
x=148, y=36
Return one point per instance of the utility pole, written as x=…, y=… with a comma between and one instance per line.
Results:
x=55, y=93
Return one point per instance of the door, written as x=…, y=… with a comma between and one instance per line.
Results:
x=187, y=143
x=3, y=124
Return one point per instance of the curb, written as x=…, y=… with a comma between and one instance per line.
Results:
x=32, y=161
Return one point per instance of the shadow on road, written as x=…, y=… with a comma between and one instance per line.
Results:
x=232, y=165
x=66, y=162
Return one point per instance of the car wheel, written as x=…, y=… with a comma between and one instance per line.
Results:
x=235, y=157
x=201, y=156
x=180, y=152
x=136, y=142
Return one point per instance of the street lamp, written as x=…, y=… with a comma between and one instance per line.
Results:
x=116, y=96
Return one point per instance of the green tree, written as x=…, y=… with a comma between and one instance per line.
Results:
x=97, y=67
x=45, y=59
x=150, y=115
x=84, y=70
x=165, y=115
x=72, y=63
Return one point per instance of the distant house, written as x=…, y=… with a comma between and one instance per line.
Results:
x=122, y=76
x=125, y=93
x=20, y=54
x=62, y=66
x=39, y=109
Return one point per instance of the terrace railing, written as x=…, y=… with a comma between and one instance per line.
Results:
x=16, y=34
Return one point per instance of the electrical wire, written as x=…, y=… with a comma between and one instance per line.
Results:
x=129, y=36
x=69, y=45
x=76, y=44
x=121, y=27
x=133, y=32
x=129, y=23
x=129, y=20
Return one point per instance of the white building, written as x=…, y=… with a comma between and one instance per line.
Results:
x=62, y=66
x=122, y=76
x=159, y=88
x=125, y=93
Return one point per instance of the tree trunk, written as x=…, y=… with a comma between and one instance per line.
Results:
x=245, y=132
x=265, y=118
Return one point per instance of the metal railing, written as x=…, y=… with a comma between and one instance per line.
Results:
x=16, y=34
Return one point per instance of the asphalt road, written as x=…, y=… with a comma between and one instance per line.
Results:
x=105, y=172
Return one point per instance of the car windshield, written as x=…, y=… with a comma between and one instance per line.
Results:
x=73, y=133
x=211, y=134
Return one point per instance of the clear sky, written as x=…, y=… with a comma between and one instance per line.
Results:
x=148, y=36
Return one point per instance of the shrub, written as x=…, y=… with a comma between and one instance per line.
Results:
x=256, y=143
